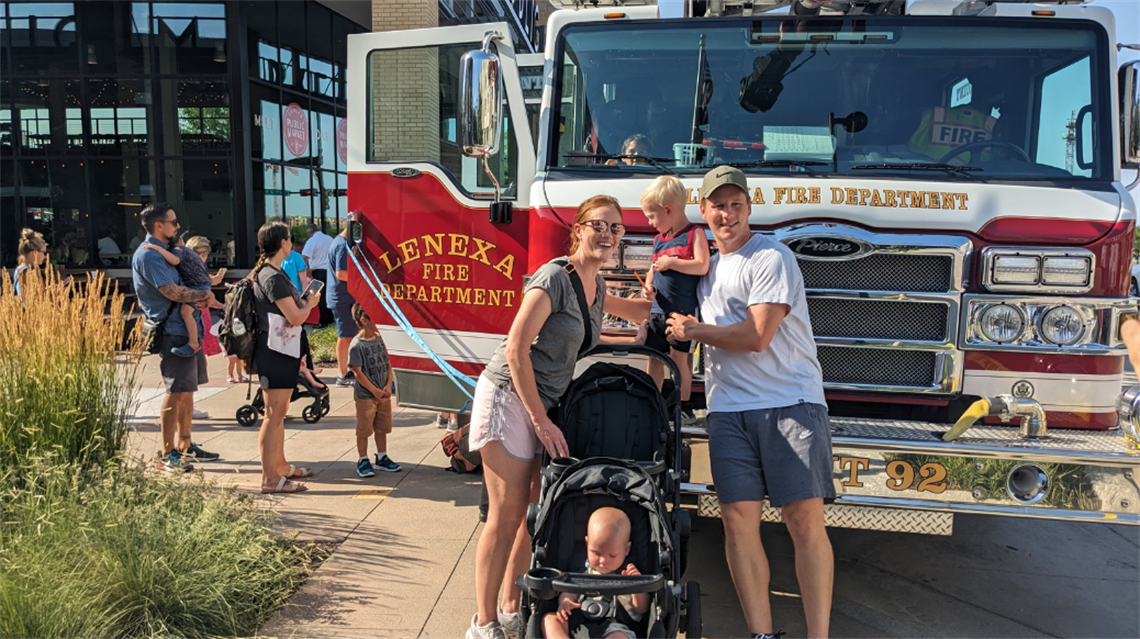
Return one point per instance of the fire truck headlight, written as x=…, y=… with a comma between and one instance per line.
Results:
x=1002, y=323
x=1017, y=269
x=1067, y=271
x=1062, y=325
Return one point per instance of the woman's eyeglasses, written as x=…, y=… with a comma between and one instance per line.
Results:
x=601, y=226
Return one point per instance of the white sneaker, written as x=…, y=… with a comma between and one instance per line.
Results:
x=201, y=414
x=512, y=624
x=490, y=631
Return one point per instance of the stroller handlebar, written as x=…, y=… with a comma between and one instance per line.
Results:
x=550, y=581
x=625, y=350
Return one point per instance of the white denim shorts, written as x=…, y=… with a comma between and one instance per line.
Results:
x=498, y=415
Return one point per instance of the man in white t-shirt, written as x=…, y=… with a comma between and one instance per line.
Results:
x=316, y=255
x=768, y=427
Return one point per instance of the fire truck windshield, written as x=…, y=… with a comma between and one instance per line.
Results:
x=1020, y=100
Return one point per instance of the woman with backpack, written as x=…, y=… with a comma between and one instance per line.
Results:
x=281, y=313
x=559, y=320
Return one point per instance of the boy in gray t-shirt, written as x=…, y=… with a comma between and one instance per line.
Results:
x=368, y=360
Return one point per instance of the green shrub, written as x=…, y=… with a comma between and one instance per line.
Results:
x=125, y=554
x=65, y=387
x=322, y=343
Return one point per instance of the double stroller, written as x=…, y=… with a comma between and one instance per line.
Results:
x=249, y=414
x=625, y=453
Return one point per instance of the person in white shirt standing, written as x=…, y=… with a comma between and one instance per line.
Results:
x=316, y=254
x=768, y=427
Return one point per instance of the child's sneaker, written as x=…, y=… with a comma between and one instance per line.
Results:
x=385, y=463
x=363, y=468
x=512, y=625
x=440, y=421
x=174, y=462
x=490, y=631
x=183, y=351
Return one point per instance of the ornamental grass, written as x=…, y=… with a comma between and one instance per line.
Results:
x=92, y=547
x=66, y=382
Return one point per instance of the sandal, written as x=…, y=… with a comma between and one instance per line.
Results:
x=298, y=473
x=232, y=380
x=285, y=486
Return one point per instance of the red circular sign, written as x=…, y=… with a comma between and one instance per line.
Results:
x=342, y=140
x=296, y=127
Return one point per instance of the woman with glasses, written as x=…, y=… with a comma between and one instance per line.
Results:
x=32, y=251
x=525, y=378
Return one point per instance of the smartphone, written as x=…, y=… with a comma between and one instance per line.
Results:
x=222, y=271
x=314, y=287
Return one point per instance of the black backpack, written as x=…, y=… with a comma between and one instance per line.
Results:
x=241, y=314
x=613, y=410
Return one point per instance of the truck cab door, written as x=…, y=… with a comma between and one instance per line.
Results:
x=425, y=207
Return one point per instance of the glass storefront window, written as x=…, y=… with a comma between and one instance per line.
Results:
x=43, y=37
x=201, y=109
x=323, y=145
x=55, y=203
x=48, y=117
x=266, y=120
x=202, y=193
x=300, y=194
x=190, y=37
x=121, y=189
x=121, y=117
x=9, y=217
x=6, y=132
x=267, y=192
x=5, y=40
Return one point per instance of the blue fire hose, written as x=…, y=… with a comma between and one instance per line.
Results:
x=459, y=379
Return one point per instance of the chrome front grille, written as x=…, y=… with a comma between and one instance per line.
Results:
x=885, y=319
x=878, y=367
x=882, y=272
x=879, y=319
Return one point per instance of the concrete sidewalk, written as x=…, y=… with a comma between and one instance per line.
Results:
x=404, y=566
x=407, y=539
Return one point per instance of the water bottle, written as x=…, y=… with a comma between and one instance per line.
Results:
x=239, y=327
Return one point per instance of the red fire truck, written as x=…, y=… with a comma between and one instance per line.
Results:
x=948, y=173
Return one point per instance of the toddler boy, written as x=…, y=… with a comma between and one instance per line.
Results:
x=368, y=360
x=680, y=258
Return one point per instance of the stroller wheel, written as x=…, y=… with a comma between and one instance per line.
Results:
x=247, y=415
x=312, y=413
x=325, y=405
x=691, y=619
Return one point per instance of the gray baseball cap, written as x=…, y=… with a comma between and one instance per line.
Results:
x=722, y=175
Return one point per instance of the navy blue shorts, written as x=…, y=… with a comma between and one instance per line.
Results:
x=784, y=453
x=345, y=325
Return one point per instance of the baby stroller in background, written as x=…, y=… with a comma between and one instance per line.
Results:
x=624, y=455
x=249, y=414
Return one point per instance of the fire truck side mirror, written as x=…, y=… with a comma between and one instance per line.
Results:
x=481, y=105
x=1129, y=83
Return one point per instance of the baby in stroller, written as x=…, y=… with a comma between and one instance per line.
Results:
x=607, y=546
x=608, y=551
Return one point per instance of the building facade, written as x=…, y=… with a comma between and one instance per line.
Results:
x=228, y=111
x=233, y=112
